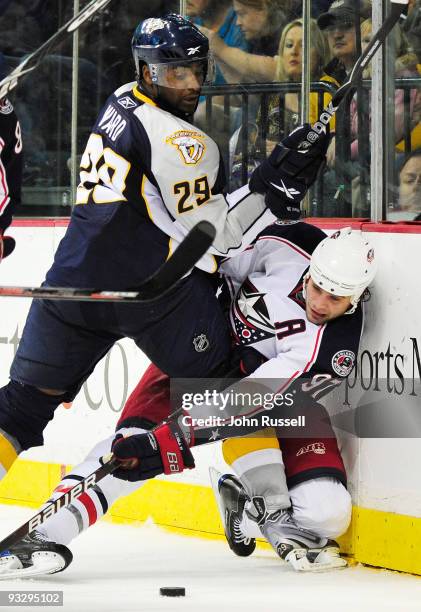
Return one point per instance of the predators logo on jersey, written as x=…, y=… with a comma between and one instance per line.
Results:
x=189, y=145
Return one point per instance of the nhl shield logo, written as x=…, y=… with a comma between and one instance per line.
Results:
x=201, y=343
x=189, y=145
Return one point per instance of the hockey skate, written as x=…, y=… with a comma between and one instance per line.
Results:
x=302, y=549
x=231, y=499
x=34, y=555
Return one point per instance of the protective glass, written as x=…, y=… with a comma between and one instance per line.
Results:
x=189, y=74
x=340, y=26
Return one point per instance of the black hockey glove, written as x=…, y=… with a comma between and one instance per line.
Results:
x=292, y=167
x=161, y=451
x=7, y=245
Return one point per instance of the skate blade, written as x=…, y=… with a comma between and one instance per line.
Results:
x=302, y=564
x=214, y=476
x=43, y=563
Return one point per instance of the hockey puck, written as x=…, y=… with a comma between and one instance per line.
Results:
x=172, y=591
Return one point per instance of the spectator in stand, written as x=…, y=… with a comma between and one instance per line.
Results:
x=405, y=66
x=412, y=27
x=409, y=195
x=261, y=22
x=283, y=111
x=339, y=25
x=219, y=19
x=284, y=117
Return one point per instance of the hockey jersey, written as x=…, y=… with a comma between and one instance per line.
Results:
x=268, y=313
x=147, y=177
x=10, y=163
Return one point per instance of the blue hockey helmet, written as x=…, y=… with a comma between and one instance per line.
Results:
x=169, y=42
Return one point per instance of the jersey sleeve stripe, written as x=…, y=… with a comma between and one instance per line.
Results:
x=4, y=191
x=316, y=348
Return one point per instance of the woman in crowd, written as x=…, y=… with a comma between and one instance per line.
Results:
x=282, y=112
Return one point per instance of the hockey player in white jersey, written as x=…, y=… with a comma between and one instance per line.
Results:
x=297, y=504
x=147, y=176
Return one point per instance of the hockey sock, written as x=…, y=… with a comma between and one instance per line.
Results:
x=9, y=450
x=83, y=512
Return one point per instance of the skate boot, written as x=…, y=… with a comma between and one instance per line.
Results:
x=232, y=499
x=34, y=555
x=327, y=557
x=292, y=543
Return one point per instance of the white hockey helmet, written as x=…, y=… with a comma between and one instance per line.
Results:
x=344, y=264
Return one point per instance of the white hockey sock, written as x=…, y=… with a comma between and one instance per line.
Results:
x=71, y=520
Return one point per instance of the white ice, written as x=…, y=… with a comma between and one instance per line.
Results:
x=119, y=568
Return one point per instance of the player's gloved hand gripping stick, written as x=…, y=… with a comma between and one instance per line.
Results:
x=293, y=165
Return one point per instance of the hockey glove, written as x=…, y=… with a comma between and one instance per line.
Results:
x=292, y=167
x=161, y=451
x=7, y=245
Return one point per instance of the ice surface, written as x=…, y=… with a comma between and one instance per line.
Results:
x=119, y=568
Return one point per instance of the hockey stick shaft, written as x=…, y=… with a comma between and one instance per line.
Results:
x=398, y=7
x=53, y=507
x=191, y=249
x=33, y=60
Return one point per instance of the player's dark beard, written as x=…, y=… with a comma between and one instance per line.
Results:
x=165, y=104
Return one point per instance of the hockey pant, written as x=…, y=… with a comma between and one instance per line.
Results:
x=312, y=470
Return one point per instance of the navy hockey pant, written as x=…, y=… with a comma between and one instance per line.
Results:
x=184, y=333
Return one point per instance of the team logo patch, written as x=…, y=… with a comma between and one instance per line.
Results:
x=201, y=343
x=343, y=362
x=315, y=447
x=250, y=315
x=6, y=107
x=126, y=102
x=189, y=145
x=153, y=24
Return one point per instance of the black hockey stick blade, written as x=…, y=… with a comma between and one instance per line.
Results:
x=53, y=507
x=34, y=59
x=397, y=8
x=191, y=249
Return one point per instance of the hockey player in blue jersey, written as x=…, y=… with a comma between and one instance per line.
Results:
x=147, y=176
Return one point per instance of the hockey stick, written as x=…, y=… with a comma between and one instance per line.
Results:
x=34, y=59
x=398, y=7
x=191, y=249
x=53, y=507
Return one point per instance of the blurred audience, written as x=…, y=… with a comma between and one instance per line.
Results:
x=218, y=18
x=281, y=114
x=412, y=27
x=409, y=195
x=261, y=22
x=405, y=66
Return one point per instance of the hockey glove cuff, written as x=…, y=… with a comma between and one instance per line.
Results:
x=292, y=167
x=161, y=451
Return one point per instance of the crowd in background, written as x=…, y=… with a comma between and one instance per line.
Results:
x=253, y=41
